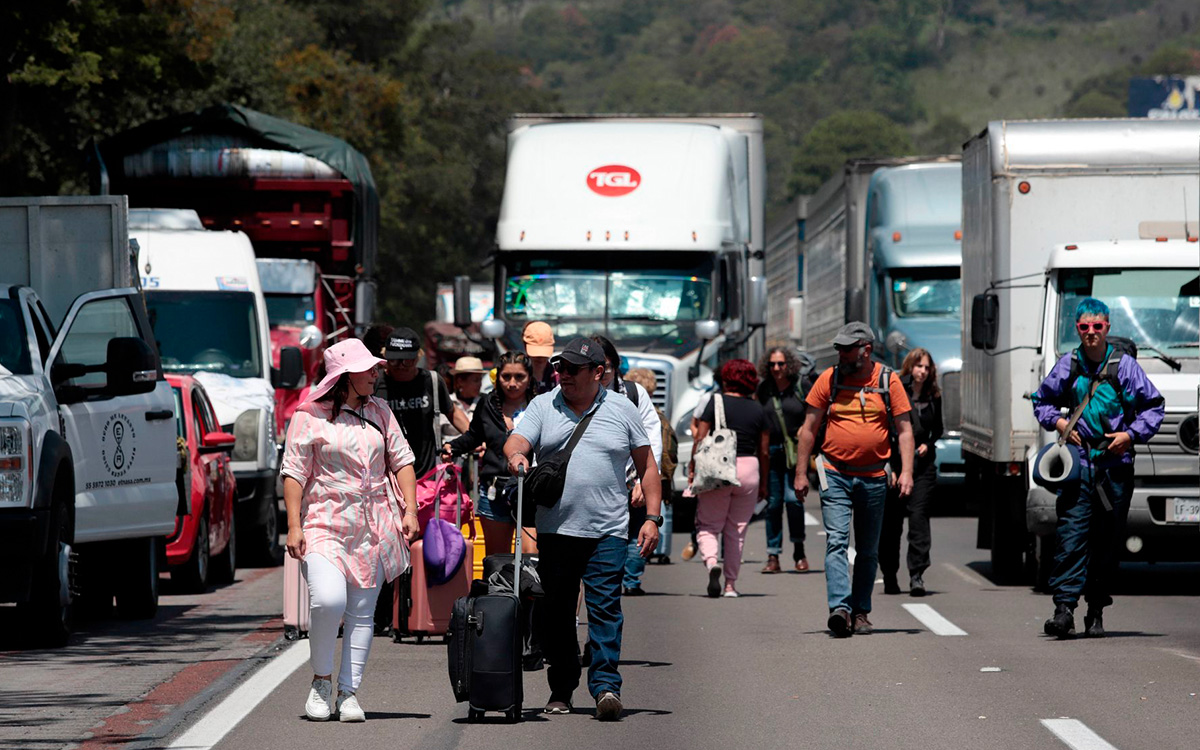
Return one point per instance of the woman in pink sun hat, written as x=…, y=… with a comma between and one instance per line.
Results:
x=341, y=446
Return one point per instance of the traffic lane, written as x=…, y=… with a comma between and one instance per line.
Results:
x=119, y=679
x=753, y=670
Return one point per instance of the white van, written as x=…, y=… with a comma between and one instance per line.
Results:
x=209, y=318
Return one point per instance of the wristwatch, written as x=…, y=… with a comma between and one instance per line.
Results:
x=658, y=520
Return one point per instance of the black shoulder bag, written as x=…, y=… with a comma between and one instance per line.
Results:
x=545, y=481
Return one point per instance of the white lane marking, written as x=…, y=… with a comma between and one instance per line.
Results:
x=930, y=618
x=810, y=519
x=967, y=575
x=1181, y=654
x=227, y=714
x=1075, y=734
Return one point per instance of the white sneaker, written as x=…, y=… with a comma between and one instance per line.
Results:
x=317, y=705
x=348, y=708
x=730, y=593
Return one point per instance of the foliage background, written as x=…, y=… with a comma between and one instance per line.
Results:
x=422, y=87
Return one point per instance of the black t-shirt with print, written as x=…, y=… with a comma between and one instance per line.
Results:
x=745, y=416
x=412, y=403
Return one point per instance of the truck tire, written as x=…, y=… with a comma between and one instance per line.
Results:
x=224, y=566
x=137, y=579
x=1009, y=536
x=261, y=544
x=49, y=615
x=192, y=576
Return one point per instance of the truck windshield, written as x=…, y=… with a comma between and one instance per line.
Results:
x=927, y=292
x=636, y=304
x=206, y=332
x=291, y=309
x=14, y=341
x=1158, y=307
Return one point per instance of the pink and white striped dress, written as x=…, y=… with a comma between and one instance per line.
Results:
x=346, y=512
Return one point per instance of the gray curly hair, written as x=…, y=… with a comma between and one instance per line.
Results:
x=793, y=363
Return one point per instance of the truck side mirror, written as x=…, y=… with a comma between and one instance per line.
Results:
x=311, y=337
x=130, y=366
x=291, y=369
x=462, y=301
x=706, y=331
x=985, y=321
x=493, y=329
x=756, y=312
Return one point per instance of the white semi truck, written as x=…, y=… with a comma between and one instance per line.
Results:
x=1055, y=211
x=87, y=421
x=646, y=229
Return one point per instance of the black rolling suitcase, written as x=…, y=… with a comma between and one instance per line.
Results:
x=486, y=645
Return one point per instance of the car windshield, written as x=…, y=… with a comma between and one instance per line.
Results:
x=1158, y=307
x=927, y=292
x=206, y=332
x=14, y=341
x=291, y=309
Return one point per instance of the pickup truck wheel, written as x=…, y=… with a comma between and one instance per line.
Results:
x=49, y=614
x=192, y=576
x=137, y=589
x=224, y=565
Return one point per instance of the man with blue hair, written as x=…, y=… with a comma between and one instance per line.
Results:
x=1121, y=407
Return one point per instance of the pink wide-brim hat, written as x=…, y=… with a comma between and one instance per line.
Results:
x=350, y=355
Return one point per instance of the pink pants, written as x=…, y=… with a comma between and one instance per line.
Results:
x=728, y=511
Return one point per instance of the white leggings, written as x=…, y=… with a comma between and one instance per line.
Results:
x=333, y=599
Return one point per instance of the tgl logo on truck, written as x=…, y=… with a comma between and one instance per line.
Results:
x=613, y=180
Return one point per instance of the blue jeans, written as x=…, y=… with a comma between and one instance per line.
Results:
x=781, y=496
x=635, y=564
x=564, y=562
x=1089, y=536
x=862, y=498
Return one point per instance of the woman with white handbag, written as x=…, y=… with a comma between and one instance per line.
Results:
x=728, y=471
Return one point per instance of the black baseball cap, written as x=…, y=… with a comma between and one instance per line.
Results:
x=581, y=351
x=402, y=343
x=854, y=332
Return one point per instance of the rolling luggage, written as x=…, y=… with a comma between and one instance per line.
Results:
x=485, y=647
x=419, y=609
x=295, y=600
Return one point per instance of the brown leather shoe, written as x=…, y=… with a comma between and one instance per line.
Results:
x=772, y=565
x=802, y=565
x=862, y=626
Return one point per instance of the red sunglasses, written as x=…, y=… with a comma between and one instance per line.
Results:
x=1096, y=327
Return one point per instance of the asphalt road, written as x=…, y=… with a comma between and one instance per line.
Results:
x=755, y=672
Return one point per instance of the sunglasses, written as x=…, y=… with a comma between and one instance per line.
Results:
x=778, y=364
x=1094, y=327
x=570, y=369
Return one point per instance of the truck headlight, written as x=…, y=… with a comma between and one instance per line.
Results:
x=16, y=463
x=683, y=428
x=245, y=429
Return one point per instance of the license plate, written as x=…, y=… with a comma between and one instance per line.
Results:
x=1185, y=510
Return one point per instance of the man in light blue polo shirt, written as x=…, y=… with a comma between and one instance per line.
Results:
x=583, y=537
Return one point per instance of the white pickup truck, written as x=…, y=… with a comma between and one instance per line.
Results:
x=87, y=431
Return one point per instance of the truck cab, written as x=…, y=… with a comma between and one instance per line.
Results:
x=914, y=250
x=209, y=317
x=647, y=230
x=1152, y=288
x=296, y=309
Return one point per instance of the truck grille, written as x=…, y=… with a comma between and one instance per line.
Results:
x=951, y=383
x=1177, y=431
x=662, y=384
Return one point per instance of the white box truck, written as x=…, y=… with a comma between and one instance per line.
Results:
x=647, y=229
x=209, y=317
x=87, y=421
x=1055, y=211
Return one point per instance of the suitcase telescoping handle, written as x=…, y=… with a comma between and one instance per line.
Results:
x=517, y=537
x=458, y=502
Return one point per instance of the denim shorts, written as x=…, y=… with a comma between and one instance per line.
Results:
x=497, y=499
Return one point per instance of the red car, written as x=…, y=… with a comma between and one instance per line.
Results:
x=202, y=549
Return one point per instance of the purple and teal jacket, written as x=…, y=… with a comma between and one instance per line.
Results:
x=1131, y=405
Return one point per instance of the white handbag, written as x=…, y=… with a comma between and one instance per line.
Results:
x=716, y=455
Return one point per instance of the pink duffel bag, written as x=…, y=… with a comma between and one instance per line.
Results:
x=443, y=488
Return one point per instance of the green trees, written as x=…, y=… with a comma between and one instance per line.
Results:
x=851, y=134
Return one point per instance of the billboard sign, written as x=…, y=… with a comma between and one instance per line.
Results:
x=1165, y=97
